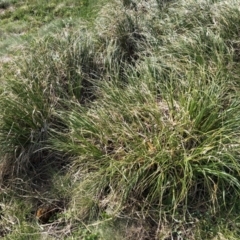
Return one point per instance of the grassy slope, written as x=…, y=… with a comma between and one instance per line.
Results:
x=126, y=125
x=23, y=20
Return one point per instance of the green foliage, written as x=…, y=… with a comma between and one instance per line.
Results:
x=146, y=146
x=26, y=20
x=130, y=121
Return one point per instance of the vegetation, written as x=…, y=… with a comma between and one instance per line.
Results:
x=119, y=120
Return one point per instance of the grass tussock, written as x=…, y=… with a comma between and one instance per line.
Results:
x=125, y=127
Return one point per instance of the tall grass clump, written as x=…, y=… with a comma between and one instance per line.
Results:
x=24, y=119
x=136, y=118
x=53, y=71
x=168, y=136
x=147, y=155
x=122, y=33
x=60, y=67
x=50, y=73
x=72, y=64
